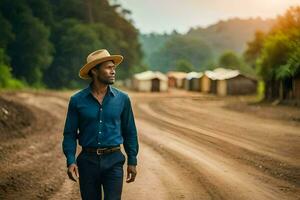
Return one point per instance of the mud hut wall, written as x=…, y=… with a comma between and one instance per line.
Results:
x=205, y=84
x=163, y=86
x=222, y=87
x=213, y=86
x=241, y=85
x=144, y=85
x=195, y=84
x=172, y=82
x=186, y=84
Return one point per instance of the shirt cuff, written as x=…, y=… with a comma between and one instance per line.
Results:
x=70, y=160
x=132, y=160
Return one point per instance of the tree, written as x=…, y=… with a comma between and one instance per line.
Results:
x=6, y=34
x=279, y=59
x=279, y=56
x=31, y=50
x=229, y=60
x=274, y=54
x=292, y=66
x=71, y=51
x=43, y=10
x=184, y=66
x=289, y=21
x=254, y=49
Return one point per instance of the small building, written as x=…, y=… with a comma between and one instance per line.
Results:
x=176, y=79
x=235, y=83
x=192, y=81
x=228, y=82
x=150, y=81
x=208, y=82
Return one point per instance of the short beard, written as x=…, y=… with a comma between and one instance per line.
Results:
x=105, y=81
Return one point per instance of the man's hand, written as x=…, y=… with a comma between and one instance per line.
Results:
x=131, y=173
x=73, y=172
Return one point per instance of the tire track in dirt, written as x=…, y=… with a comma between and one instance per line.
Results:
x=262, y=162
x=161, y=177
x=173, y=126
x=283, y=150
x=219, y=180
x=194, y=184
x=252, y=133
x=270, y=127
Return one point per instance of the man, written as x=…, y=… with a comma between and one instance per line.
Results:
x=101, y=118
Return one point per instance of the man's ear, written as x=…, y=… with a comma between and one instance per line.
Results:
x=94, y=71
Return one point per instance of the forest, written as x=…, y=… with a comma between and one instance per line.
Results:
x=44, y=43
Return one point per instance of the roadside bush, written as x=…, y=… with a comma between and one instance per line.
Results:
x=6, y=79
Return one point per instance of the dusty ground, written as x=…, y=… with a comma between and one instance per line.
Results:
x=192, y=146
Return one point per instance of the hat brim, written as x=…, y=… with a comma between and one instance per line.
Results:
x=84, y=71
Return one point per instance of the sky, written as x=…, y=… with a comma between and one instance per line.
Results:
x=164, y=16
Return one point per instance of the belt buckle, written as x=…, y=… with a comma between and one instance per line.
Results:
x=98, y=151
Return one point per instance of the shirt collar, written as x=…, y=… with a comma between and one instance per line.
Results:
x=109, y=88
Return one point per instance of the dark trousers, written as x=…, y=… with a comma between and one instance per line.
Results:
x=96, y=171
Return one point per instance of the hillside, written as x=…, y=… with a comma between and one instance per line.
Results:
x=231, y=34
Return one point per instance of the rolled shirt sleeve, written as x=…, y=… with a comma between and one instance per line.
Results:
x=129, y=132
x=70, y=132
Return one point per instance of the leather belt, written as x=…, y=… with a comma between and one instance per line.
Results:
x=101, y=151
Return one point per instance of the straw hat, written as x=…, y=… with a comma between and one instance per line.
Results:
x=95, y=58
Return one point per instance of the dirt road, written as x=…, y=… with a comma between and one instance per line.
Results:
x=192, y=146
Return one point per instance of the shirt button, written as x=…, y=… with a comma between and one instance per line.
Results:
x=99, y=132
x=100, y=121
x=99, y=143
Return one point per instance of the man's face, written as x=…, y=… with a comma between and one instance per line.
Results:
x=106, y=73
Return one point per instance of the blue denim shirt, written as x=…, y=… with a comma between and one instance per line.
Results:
x=100, y=125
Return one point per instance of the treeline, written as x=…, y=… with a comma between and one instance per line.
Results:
x=219, y=44
x=276, y=56
x=44, y=43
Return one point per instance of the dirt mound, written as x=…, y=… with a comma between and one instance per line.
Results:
x=14, y=119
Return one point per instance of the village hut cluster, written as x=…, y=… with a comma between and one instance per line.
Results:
x=219, y=81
